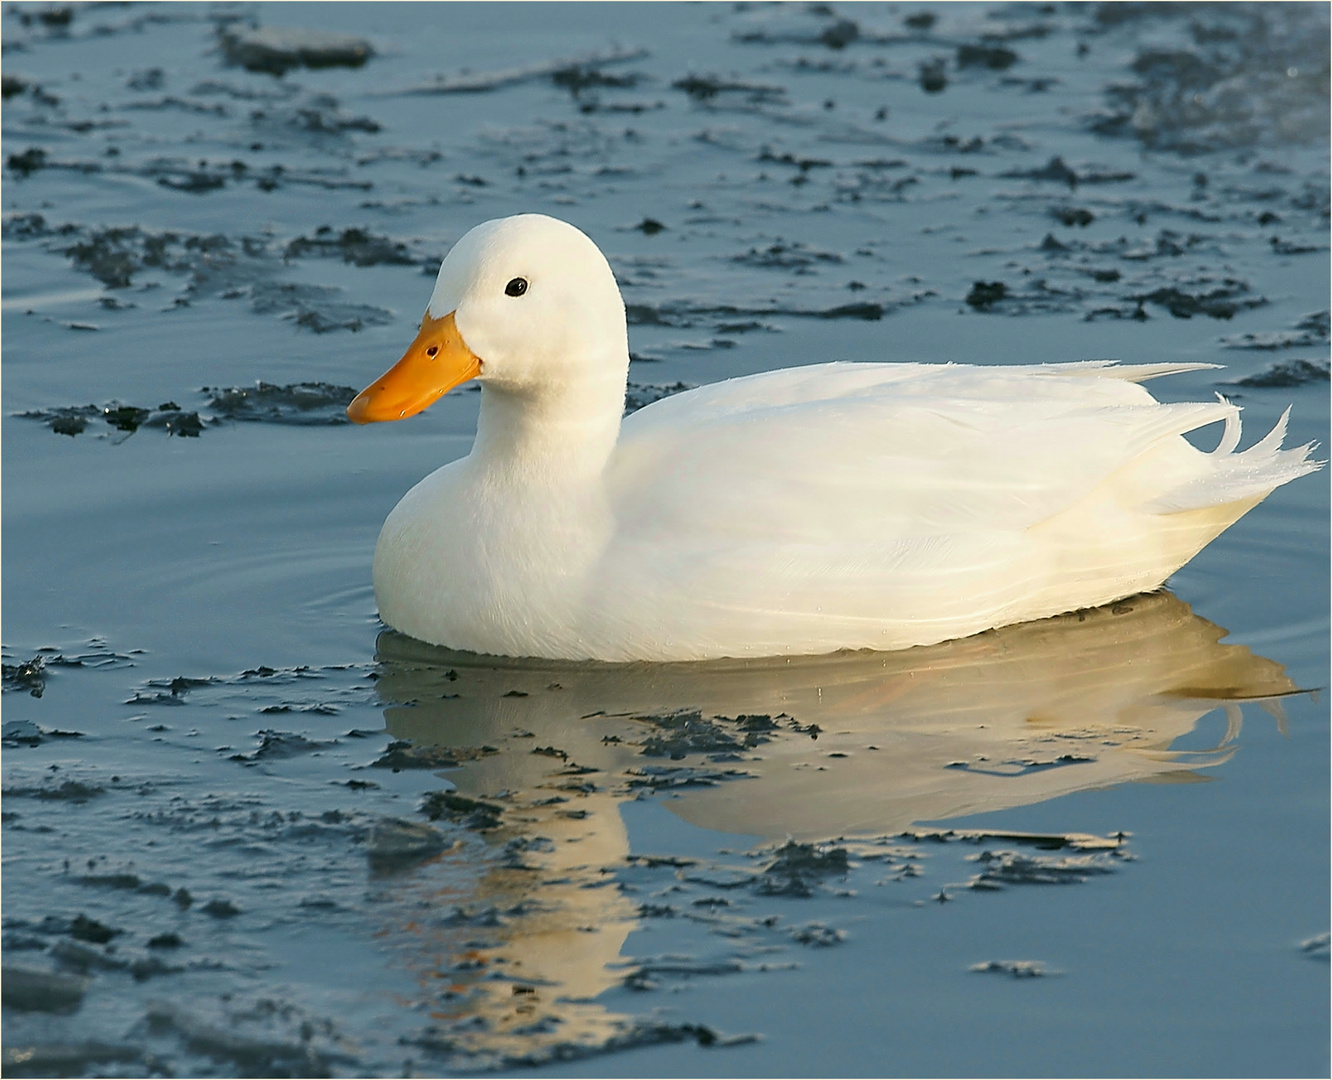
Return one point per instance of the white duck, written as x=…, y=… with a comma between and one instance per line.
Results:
x=798, y=511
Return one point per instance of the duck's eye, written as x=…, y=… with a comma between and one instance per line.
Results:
x=432, y=350
x=516, y=287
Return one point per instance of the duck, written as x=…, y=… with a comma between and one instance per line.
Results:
x=798, y=511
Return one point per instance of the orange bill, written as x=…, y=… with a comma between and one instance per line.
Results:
x=436, y=362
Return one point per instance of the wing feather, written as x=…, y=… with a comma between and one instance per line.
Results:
x=854, y=453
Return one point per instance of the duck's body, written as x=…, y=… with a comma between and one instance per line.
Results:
x=797, y=511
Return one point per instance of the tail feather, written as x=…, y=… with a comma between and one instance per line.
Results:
x=1249, y=474
x=1271, y=442
x=1231, y=436
x=1113, y=369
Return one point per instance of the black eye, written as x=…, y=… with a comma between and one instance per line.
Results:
x=516, y=287
x=432, y=350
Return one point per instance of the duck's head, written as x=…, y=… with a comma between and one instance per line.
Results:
x=526, y=304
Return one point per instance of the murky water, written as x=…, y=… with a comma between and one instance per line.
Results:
x=249, y=832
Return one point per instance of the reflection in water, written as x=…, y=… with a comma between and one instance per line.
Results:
x=850, y=744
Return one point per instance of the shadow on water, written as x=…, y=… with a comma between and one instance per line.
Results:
x=864, y=744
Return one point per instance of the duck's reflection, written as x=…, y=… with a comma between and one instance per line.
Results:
x=841, y=745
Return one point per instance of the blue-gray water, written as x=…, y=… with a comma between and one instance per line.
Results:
x=206, y=870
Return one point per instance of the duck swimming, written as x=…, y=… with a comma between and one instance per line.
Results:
x=797, y=511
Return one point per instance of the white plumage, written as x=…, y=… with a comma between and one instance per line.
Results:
x=796, y=511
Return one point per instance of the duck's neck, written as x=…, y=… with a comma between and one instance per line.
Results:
x=562, y=433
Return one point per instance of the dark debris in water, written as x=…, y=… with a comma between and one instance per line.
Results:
x=305, y=404
x=396, y=842
x=276, y=50
x=74, y=791
x=401, y=754
x=1000, y=868
x=986, y=55
x=201, y=177
x=1317, y=947
x=318, y=116
x=1310, y=331
x=580, y=77
x=29, y=676
x=571, y=69
x=167, y=691
x=302, y=404
x=834, y=31
x=85, y=929
x=652, y=778
x=816, y=935
x=27, y=162
x=1017, y=969
x=784, y=255
x=215, y=265
x=462, y=1047
x=113, y=256
x=130, y=882
x=985, y=294
x=1059, y=172
x=1040, y=841
x=314, y=307
x=1286, y=373
x=469, y=813
x=681, y=734
x=799, y=868
x=706, y=88
x=27, y=733
x=1224, y=301
x=933, y=77
x=220, y=908
x=1072, y=215
x=720, y=738
x=352, y=245
x=274, y=745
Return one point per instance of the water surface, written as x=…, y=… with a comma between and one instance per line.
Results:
x=248, y=831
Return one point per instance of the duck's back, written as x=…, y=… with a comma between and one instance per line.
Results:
x=888, y=505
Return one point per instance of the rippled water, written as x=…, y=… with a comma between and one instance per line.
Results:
x=249, y=832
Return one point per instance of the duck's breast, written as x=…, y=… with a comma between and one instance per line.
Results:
x=486, y=563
